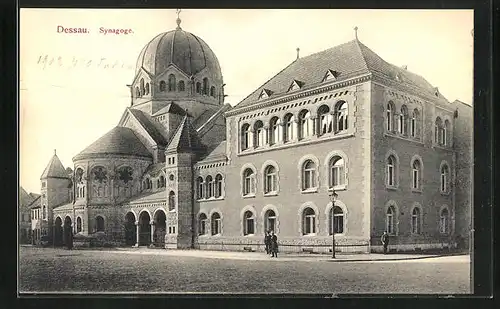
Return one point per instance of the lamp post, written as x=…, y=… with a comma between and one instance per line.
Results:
x=333, y=195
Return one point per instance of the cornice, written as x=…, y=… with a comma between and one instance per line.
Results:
x=289, y=97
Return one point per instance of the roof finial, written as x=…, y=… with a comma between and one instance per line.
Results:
x=55, y=152
x=298, y=51
x=356, y=32
x=178, y=11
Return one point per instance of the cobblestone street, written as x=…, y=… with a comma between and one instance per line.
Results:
x=51, y=270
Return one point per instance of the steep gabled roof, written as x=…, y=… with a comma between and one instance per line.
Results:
x=185, y=138
x=172, y=108
x=148, y=124
x=348, y=60
x=24, y=198
x=54, y=169
x=120, y=140
x=215, y=154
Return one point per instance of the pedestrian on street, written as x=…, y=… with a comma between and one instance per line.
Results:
x=385, y=241
x=274, y=245
x=267, y=242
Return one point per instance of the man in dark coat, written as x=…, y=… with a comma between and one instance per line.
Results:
x=385, y=241
x=274, y=245
x=267, y=242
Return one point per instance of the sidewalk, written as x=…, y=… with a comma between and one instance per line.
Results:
x=261, y=256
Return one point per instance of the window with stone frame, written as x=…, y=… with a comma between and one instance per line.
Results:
x=216, y=222
x=200, y=183
x=218, y=185
x=245, y=136
x=270, y=179
x=309, y=175
x=308, y=221
x=336, y=220
x=341, y=115
x=248, y=182
x=288, y=121
x=337, y=172
x=248, y=223
x=202, y=224
x=415, y=221
x=389, y=222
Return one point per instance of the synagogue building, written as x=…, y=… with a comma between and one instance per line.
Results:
x=184, y=169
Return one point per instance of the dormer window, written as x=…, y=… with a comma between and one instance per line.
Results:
x=296, y=85
x=330, y=75
x=436, y=92
x=264, y=94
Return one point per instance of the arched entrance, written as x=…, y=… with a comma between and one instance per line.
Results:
x=130, y=229
x=144, y=229
x=160, y=228
x=68, y=233
x=58, y=232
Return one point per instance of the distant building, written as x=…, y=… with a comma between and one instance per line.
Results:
x=25, y=203
x=184, y=170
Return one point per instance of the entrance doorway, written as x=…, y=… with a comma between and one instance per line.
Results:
x=160, y=228
x=144, y=229
x=130, y=229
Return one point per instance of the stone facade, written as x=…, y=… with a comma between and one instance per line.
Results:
x=183, y=170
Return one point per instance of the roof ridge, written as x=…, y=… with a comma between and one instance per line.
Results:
x=361, y=52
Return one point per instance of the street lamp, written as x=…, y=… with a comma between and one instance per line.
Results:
x=333, y=195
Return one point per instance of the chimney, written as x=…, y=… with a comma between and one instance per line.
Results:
x=298, y=51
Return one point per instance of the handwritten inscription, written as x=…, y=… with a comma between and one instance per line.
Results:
x=102, y=30
x=68, y=62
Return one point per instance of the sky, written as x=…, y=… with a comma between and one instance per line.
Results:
x=73, y=86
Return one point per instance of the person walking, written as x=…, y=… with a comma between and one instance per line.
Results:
x=267, y=242
x=385, y=241
x=274, y=245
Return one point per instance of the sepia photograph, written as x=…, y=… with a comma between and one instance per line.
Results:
x=245, y=151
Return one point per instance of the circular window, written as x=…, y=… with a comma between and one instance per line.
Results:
x=171, y=177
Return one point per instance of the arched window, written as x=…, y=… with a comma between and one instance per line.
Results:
x=308, y=175
x=270, y=179
x=137, y=92
x=162, y=181
x=391, y=171
x=171, y=82
x=218, y=185
x=199, y=187
x=216, y=224
x=245, y=136
x=336, y=220
x=248, y=182
x=445, y=131
x=212, y=91
x=270, y=220
x=390, y=116
x=99, y=222
x=163, y=86
x=438, y=126
x=205, y=86
x=141, y=85
x=416, y=171
x=158, y=183
x=325, y=120
x=248, y=223
x=341, y=112
x=260, y=135
x=274, y=130
x=78, y=225
x=210, y=186
x=288, y=127
x=147, y=89
x=171, y=201
x=415, y=221
x=198, y=87
x=414, y=123
x=444, y=178
x=83, y=192
x=202, y=227
x=182, y=87
x=389, y=220
x=308, y=221
x=337, y=172
x=403, y=119
x=305, y=124
x=443, y=221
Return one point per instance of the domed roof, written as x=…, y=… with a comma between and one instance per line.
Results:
x=184, y=49
x=118, y=141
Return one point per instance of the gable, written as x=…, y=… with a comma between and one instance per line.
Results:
x=330, y=75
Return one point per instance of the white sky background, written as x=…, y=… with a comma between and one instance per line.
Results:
x=67, y=107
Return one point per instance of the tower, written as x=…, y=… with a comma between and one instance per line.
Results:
x=55, y=190
x=181, y=154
